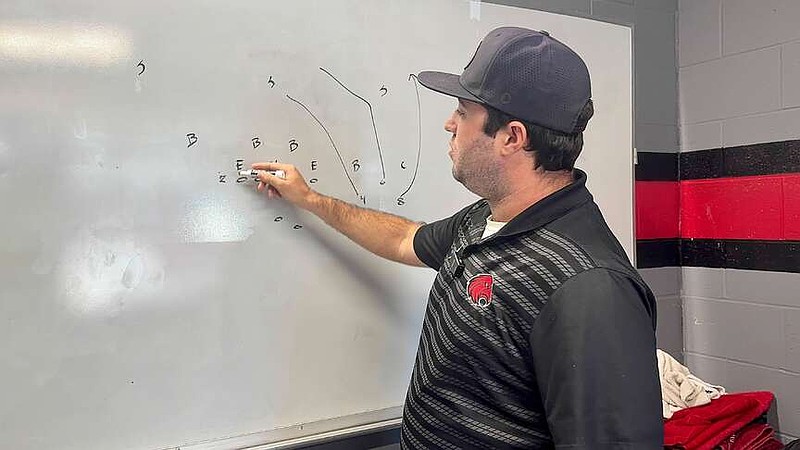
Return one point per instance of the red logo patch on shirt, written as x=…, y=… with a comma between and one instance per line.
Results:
x=480, y=290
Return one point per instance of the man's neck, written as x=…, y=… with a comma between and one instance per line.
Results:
x=524, y=195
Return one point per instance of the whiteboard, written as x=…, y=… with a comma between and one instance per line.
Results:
x=147, y=299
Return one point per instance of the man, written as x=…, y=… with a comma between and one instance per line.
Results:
x=538, y=332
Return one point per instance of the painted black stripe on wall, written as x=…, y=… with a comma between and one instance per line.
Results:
x=658, y=253
x=703, y=253
x=775, y=256
x=652, y=166
x=758, y=159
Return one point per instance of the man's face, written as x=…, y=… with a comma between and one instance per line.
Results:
x=472, y=151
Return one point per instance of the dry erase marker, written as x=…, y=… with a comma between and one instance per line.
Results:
x=254, y=173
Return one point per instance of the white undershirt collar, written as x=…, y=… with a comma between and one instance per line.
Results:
x=492, y=227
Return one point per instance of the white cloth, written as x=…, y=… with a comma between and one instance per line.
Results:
x=492, y=227
x=680, y=389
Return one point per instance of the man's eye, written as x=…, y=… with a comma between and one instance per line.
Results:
x=461, y=113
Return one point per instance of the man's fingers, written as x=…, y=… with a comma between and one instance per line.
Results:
x=290, y=185
x=268, y=178
x=273, y=192
x=271, y=166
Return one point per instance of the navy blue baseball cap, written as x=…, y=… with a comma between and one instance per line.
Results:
x=524, y=73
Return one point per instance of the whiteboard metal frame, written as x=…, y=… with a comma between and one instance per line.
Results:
x=312, y=433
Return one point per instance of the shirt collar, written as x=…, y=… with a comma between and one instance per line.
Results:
x=547, y=209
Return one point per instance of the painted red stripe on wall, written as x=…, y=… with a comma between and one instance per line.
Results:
x=657, y=206
x=791, y=208
x=764, y=207
x=741, y=208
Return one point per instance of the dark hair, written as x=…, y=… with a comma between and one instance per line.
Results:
x=552, y=149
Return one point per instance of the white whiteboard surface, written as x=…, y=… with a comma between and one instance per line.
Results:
x=144, y=304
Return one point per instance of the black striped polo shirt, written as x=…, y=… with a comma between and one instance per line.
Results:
x=540, y=336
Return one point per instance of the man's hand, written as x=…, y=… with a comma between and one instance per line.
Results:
x=384, y=234
x=293, y=188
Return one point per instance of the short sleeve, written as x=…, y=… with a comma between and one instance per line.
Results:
x=433, y=240
x=594, y=356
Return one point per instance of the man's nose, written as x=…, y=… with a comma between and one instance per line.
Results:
x=450, y=125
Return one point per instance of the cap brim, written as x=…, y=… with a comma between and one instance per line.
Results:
x=445, y=83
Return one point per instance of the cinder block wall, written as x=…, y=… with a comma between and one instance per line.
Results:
x=739, y=89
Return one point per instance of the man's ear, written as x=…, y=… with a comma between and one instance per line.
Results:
x=514, y=137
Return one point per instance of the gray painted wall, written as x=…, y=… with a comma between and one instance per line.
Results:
x=740, y=84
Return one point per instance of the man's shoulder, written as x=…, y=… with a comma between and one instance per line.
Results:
x=586, y=230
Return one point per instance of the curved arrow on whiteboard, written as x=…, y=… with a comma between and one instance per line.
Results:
x=330, y=139
x=371, y=115
x=419, y=137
